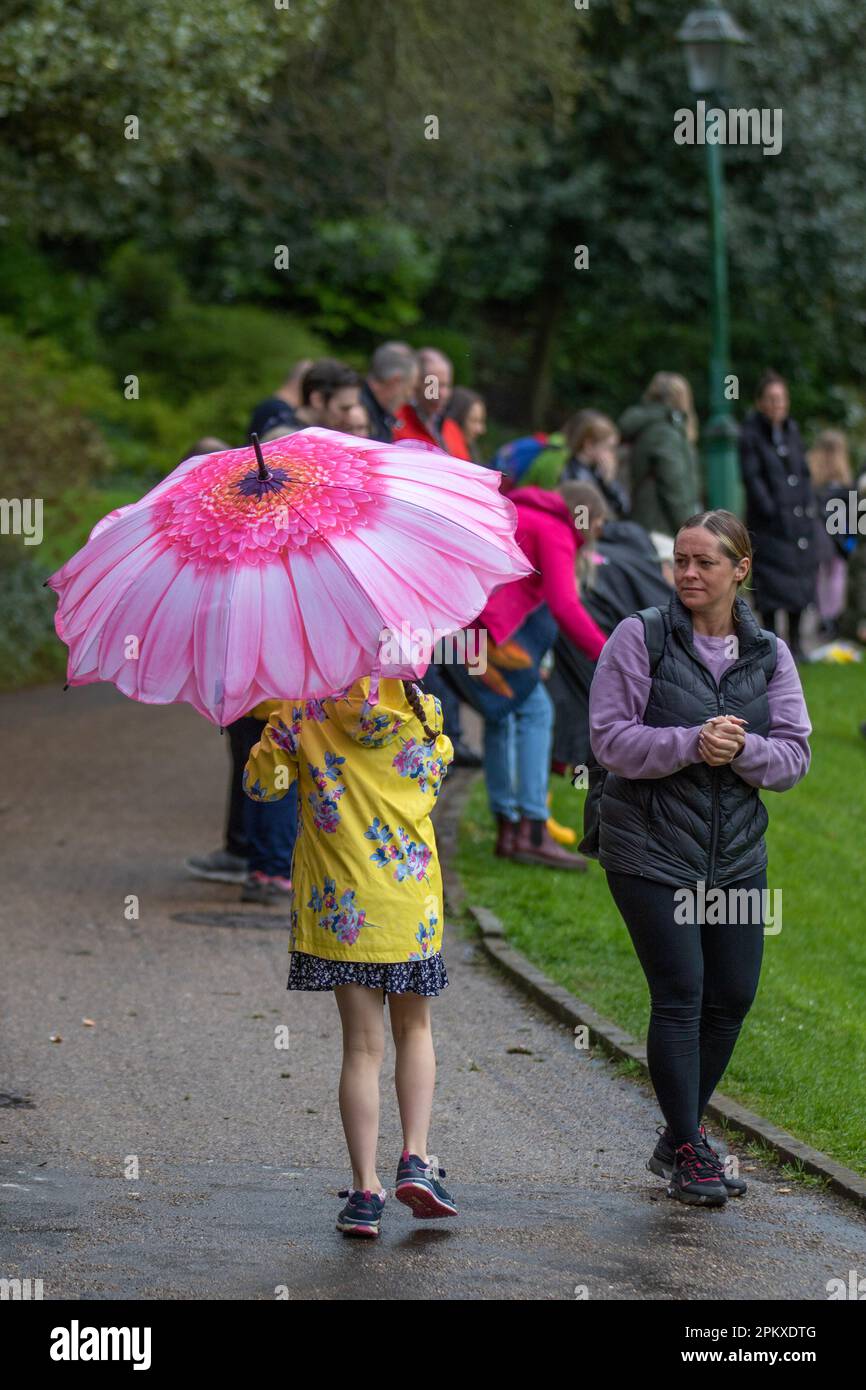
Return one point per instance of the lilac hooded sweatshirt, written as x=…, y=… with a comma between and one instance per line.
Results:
x=624, y=745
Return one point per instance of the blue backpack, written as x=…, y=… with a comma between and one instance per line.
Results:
x=513, y=459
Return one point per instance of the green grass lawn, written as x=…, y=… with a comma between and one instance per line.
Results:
x=801, y=1057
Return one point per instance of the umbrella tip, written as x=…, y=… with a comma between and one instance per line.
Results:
x=66, y=686
x=263, y=471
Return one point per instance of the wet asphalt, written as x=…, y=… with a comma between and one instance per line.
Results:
x=169, y=1149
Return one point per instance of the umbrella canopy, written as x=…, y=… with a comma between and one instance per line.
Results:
x=275, y=571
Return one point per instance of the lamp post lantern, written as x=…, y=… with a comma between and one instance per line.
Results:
x=708, y=36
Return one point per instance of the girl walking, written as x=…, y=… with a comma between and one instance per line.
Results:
x=366, y=915
x=693, y=709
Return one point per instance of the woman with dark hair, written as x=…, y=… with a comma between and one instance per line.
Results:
x=470, y=412
x=780, y=508
x=693, y=709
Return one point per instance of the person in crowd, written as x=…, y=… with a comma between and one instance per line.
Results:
x=358, y=421
x=387, y=387
x=619, y=572
x=270, y=829
x=470, y=412
x=367, y=918
x=830, y=471
x=424, y=418
x=281, y=407
x=660, y=436
x=626, y=577
x=584, y=450
x=523, y=618
x=258, y=841
x=593, y=440
x=693, y=710
x=329, y=390
x=780, y=508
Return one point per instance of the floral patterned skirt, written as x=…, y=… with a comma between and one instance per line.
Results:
x=427, y=976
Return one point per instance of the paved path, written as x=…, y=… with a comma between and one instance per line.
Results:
x=239, y=1144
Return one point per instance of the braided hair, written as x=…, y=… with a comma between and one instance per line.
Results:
x=414, y=698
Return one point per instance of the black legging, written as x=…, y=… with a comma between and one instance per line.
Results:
x=702, y=981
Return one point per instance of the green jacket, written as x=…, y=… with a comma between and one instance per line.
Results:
x=662, y=464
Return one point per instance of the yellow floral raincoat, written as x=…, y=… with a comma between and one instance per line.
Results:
x=366, y=879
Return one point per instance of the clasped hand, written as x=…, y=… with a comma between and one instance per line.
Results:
x=721, y=739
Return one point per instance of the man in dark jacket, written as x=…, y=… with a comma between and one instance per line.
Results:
x=780, y=508
x=389, y=384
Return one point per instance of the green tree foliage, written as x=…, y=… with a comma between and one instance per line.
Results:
x=73, y=71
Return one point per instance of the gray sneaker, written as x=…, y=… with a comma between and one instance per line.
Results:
x=219, y=867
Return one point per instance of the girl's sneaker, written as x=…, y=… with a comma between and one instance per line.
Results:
x=361, y=1214
x=697, y=1176
x=419, y=1187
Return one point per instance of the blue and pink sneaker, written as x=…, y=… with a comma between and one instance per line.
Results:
x=361, y=1214
x=419, y=1187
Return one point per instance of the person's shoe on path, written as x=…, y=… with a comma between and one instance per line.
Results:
x=265, y=888
x=662, y=1161
x=535, y=845
x=696, y=1178
x=418, y=1186
x=362, y=1213
x=737, y=1187
x=219, y=867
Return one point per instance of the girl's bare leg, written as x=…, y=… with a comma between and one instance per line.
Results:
x=414, y=1069
x=361, y=1014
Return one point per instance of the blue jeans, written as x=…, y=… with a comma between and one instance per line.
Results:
x=272, y=828
x=265, y=831
x=517, y=758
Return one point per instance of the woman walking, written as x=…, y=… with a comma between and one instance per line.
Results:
x=693, y=709
x=367, y=915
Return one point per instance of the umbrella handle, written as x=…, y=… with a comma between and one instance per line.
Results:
x=263, y=470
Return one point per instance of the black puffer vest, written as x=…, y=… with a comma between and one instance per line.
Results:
x=701, y=823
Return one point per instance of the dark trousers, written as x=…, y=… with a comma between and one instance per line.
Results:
x=702, y=980
x=768, y=618
x=262, y=832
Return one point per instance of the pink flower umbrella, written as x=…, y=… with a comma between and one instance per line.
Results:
x=274, y=571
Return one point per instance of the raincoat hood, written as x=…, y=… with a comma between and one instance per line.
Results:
x=375, y=723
